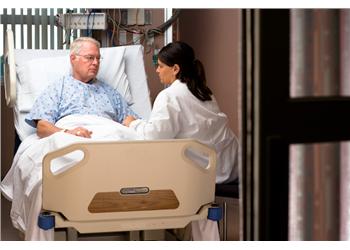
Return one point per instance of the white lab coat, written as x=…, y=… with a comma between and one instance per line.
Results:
x=177, y=113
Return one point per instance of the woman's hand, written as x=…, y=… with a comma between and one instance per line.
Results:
x=128, y=119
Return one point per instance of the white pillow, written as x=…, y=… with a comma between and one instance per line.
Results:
x=112, y=71
x=34, y=75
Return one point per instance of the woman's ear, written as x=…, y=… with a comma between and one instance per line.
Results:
x=176, y=68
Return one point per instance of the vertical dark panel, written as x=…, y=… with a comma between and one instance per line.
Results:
x=273, y=168
x=274, y=189
x=265, y=152
x=245, y=177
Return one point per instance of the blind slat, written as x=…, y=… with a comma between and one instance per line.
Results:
x=59, y=33
x=44, y=24
x=4, y=27
x=13, y=23
x=22, y=29
x=52, y=29
x=29, y=29
x=37, y=29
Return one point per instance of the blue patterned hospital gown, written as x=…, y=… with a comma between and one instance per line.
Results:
x=69, y=96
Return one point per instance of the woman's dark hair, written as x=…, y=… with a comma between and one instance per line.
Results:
x=191, y=70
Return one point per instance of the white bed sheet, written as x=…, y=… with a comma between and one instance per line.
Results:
x=23, y=181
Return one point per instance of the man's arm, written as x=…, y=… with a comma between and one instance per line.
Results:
x=45, y=128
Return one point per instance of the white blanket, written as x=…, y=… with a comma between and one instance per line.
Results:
x=22, y=184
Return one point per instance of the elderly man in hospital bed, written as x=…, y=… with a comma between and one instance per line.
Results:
x=76, y=108
x=80, y=93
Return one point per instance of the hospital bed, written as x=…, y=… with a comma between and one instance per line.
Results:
x=116, y=186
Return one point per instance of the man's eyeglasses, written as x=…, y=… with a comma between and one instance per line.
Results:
x=90, y=58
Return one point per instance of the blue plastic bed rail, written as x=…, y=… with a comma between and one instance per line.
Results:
x=46, y=220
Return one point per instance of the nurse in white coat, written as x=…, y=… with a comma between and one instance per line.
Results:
x=188, y=109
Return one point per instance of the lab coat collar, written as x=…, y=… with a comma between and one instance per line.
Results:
x=177, y=82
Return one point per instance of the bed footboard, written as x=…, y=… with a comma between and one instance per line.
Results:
x=123, y=186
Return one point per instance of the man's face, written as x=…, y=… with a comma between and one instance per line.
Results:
x=85, y=65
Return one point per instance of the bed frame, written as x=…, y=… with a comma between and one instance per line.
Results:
x=124, y=186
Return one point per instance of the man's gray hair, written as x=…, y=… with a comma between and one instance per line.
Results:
x=77, y=44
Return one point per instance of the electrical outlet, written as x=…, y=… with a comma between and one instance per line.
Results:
x=91, y=21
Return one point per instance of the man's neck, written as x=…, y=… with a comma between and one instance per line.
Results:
x=87, y=81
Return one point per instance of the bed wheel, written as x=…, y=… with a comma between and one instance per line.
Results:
x=46, y=220
x=215, y=213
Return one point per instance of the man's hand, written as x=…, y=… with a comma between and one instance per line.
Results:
x=45, y=128
x=79, y=131
x=128, y=120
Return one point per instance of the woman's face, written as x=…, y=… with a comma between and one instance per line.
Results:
x=167, y=74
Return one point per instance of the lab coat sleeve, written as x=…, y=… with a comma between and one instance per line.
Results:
x=164, y=120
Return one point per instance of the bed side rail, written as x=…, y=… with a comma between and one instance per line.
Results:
x=9, y=69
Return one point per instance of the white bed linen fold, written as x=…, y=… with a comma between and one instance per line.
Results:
x=22, y=184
